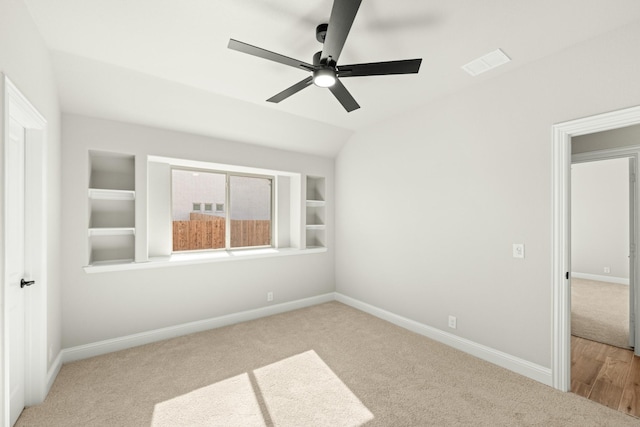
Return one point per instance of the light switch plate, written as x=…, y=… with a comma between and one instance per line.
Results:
x=518, y=250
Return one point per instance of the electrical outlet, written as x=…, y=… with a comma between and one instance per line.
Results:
x=607, y=269
x=269, y=296
x=453, y=322
x=518, y=250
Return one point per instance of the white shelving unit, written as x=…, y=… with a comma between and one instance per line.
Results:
x=111, y=198
x=316, y=212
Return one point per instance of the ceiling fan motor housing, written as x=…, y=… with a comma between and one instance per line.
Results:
x=328, y=63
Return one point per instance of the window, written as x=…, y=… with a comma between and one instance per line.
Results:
x=250, y=212
x=277, y=213
x=246, y=224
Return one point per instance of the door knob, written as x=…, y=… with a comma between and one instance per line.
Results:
x=24, y=283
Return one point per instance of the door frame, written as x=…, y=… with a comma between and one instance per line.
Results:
x=561, y=232
x=17, y=107
x=632, y=153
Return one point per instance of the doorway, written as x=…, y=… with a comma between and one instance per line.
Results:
x=602, y=280
x=602, y=246
x=561, y=244
x=24, y=133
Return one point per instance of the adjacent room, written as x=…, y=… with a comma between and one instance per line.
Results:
x=321, y=213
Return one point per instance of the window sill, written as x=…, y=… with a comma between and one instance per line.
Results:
x=199, y=258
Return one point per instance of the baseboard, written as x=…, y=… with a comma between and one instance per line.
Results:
x=507, y=361
x=599, y=278
x=53, y=372
x=129, y=341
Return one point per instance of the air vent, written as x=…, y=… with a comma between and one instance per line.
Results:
x=487, y=62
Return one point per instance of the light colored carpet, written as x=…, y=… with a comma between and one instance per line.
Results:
x=600, y=311
x=327, y=365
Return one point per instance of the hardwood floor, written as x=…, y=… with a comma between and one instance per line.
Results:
x=606, y=374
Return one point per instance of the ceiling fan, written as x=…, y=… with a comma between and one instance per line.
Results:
x=325, y=69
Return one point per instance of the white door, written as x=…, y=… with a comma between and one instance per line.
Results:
x=15, y=253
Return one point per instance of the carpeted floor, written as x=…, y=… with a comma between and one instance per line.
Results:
x=327, y=365
x=600, y=311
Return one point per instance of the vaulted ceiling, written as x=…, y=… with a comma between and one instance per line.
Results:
x=165, y=63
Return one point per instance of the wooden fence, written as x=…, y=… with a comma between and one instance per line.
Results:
x=250, y=233
x=208, y=232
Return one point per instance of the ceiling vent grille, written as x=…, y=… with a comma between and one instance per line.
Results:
x=487, y=62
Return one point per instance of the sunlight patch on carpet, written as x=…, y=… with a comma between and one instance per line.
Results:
x=227, y=403
x=298, y=391
x=303, y=391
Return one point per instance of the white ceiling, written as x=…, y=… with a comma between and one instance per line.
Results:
x=165, y=63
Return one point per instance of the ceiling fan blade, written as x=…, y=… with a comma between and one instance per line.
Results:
x=292, y=90
x=407, y=66
x=344, y=96
x=342, y=15
x=266, y=54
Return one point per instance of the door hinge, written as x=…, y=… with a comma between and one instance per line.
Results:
x=632, y=177
x=567, y=275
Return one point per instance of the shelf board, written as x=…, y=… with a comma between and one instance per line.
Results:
x=315, y=203
x=112, y=231
x=105, y=194
x=316, y=226
x=113, y=262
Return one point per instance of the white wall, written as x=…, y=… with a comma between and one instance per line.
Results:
x=24, y=58
x=466, y=177
x=600, y=218
x=108, y=305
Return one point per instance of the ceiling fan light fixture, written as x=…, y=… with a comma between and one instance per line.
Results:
x=324, y=77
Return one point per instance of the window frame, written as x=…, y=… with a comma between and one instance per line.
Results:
x=228, y=207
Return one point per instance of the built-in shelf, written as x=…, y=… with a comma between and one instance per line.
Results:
x=316, y=238
x=316, y=226
x=111, y=213
x=111, y=171
x=106, y=194
x=315, y=203
x=315, y=212
x=113, y=247
x=111, y=195
x=112, y=231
